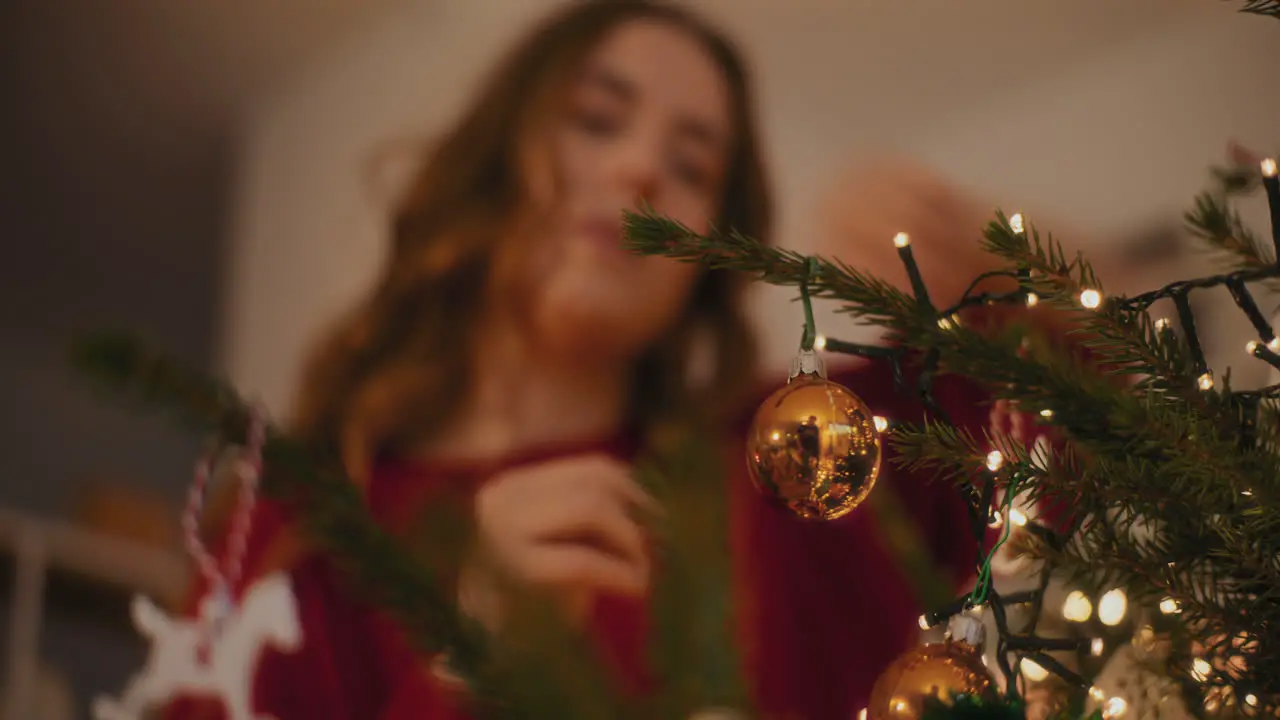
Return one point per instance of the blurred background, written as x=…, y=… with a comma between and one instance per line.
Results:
x=204, y=172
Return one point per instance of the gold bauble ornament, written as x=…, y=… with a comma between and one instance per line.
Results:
x=813, y=447
x=938, y=670
x=1047, y=699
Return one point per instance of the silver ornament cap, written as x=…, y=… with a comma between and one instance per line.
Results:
x=967, y=629
x=807, y=362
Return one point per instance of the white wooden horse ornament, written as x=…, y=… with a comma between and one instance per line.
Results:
x=267, y=615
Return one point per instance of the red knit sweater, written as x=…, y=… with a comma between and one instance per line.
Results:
x=827, y=607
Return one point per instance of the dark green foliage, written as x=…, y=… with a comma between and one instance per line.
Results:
x=973, y=707
x=336, y=517
x=1164, y=500
x=1220, y=227
x=1270, y=8
x=692, y=647
x=537, y=668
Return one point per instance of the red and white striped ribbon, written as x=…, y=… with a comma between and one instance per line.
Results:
x=222, y=577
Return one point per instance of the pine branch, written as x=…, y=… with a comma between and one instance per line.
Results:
x=335, y=512
x=1147, y=459
x=1215, y=222
x=870, y=299
x=1091, y=407
x=692, y=647
x=955, y=455
x=538, y=668
x=541, y=669
x=1106, y=555
x=1123, y=339
x=1269, y=8
x=1162, y=448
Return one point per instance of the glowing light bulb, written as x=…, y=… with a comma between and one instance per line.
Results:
x=1162, y=324
x=1268, y=167
x=880, y=423
x=1205, y=381
x=945, y=323
x=1097, y=646
x=1251, y=347
x=923, y=622
x=901, y=240
x=994, y=460
x=1243, y=641
x=1169, y=606
x=820, y=342
x=1251, y=700
x=1096, y=693
x=1017, y=517
x=862, y=714
x=1200, y=669
x=1015, y=223
x=1032, y=671
x=1114, y=708
x=1112, y=607
x=1090, y=299
x=1274, y=344
x=1032, y=299
x=1077, y=607
x=1046, y=413
x=997, y=519
x=1246, y=492
x=1146, y=637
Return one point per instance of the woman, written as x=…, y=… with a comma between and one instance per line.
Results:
x=514, y=356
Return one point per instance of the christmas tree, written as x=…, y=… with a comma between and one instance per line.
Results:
x=1168, y=475
x=1165, y=478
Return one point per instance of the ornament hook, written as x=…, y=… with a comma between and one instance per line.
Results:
x=810, y=334
x=808, y=362
x=983, y=584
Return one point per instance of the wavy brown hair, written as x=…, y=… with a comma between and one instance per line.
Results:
x=397, y=367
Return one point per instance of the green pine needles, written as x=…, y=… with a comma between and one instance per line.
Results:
x=1270, y=8
x=1172, y=479
x=537, y=668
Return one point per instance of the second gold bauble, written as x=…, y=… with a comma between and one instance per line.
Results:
x=936, y=671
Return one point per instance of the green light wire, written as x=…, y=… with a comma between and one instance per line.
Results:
x=979, y=594
x=810, y=332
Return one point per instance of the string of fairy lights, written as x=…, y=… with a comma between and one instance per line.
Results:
x=1111, y=607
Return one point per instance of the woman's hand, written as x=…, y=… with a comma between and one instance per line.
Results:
x=572, y=527
x=945, y=224
x=1238, y=154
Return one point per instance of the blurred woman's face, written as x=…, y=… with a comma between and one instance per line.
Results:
x=647, y=121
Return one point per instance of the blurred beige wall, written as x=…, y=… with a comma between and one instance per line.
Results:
x=1100, y=112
